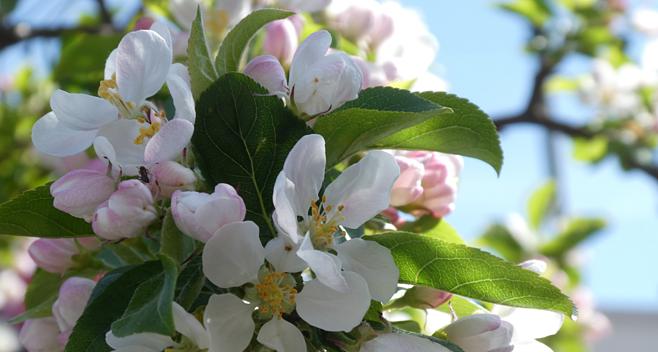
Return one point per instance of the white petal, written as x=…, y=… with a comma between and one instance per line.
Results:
x=281, y=336
x=110, y=65
x=179, y=88
x=326, y=266
x=52, y=137
x=399, y=342
x=143, y=60
x=285, y=213
x=229, y=323
x=233, y=255
x=308, y=53
x=268, y=72
x=304, y=166
x=163, y=30
x=532, y=346
x=283, y=256
x=121, y=135
x=82, y=111
x=189, y=326
x=145, y=342
x=364, y=188
x=169, y=142
x=374, y=262
x=330, y=310
x=544, y=322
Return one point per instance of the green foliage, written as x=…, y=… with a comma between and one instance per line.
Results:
x=233, y=46
x=461, y=306
x=540, y=204
x=82, y=62
x=377, y=113
x=433, y=227
x=108, y=302
x=575, y=232
x=535, y=11
x=190, y=282
x=40, y=296
x=174, y=243
x=199, y=62
x=242, y=137
x=590, y=150
x=500, y=239
x=447, y=344
x=470, y=272
x=150, y=308
x=32, y=214
x=466, y=131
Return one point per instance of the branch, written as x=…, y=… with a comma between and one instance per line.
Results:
x=13, y=35
x=104, y=13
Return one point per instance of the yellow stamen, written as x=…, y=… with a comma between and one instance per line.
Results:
x=277, y=294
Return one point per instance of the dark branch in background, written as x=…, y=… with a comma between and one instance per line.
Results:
x=12, y=34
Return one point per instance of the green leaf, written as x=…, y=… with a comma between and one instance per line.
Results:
x=32, y=214
x=536, y=11
x=235, y=43
x=470, y=272
x=40, y=296
x=190, y=282
x=575, y=232
x=82, y=61
x=590, y=150
x=447, y=344
x=150, y=308
x=200, y=65
x=540, y=203
x=500, y=239
x=174, y=243
x=107, y=304
x=242, y=137
x=466, y=131
x=433, y=227
x=377, y=113
x=461, y=306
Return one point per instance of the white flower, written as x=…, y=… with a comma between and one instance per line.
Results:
x=307, y=223
x=400, y=342
x=613, y=90
x=71, y=302
x=319, y=82
x=530, y=325
x=481, y=333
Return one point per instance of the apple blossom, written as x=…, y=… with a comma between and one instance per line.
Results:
x=169, y=176
x=394, y=342
x=481, y=333
x=81, y=191
x=318, y=82
x=307, y=223
x=200, y=215
x=40, y=335
x=353, y=19
x=614, y=90
x=71, y=301
x=267, y=71
x=55, y=255
x=303, y=5
x=281, y=40
x=127, y=213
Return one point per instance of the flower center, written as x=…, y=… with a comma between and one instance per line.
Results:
x=108, y=90
x=277, y=293
x=322, y=228
x=153, y=121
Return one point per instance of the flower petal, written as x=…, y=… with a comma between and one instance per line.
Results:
x=281, y=336
x=374, y=263
x=121, y=136
x=283, y=256
x=326, y=266
x=50, y=136
x=363, y=189
x=233, y=255
x=143, y=60
x=400, y=342
x=268, y=72
x=81, y=111
x=181, y=93
x=285, y=213
x=544, y=322
x=229, y=323
x=308, y=53
x=168, y=144
x=305, y=167
x=532, y=346
x=189, y=326
x=110, y=65
x=163, y=30
x=329, y=310
x=145, y=342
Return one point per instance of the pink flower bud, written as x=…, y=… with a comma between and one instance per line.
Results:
x=81, y=191
x=73, y=296
x=144, y=23
x=373, y=74
x=425, y=297
x=281, y=40
x=267, y=71
x=407, y=187
x=55, y=255
x=200, y=215
x=356, y=20
x=481, y=332
x=127, y=213
x=382, y=28
x=170, y=176
x=40, y=335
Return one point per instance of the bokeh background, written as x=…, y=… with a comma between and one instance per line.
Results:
x=483, y=56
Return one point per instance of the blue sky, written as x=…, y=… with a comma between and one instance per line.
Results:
x=482, y=57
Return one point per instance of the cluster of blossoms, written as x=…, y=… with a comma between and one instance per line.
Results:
x=313, y=274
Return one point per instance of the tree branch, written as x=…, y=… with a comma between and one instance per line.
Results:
x=13, y=35
x=104, y=13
